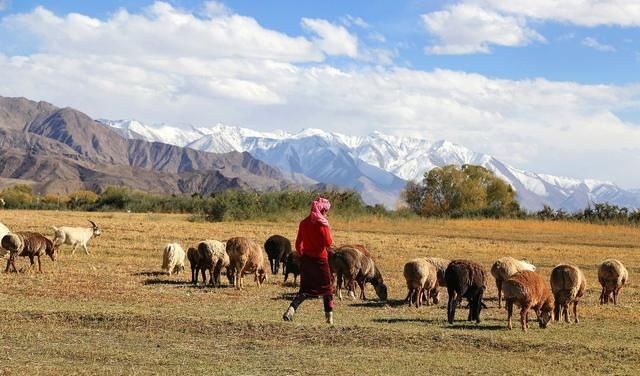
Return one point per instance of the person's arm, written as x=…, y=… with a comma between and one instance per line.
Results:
x=328, y=241
x=299, y=240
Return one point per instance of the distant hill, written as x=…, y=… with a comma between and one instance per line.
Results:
x=64, y=150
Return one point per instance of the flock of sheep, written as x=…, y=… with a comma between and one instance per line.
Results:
x=352, y=265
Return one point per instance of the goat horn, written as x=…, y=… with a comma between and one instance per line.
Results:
x=93, y=223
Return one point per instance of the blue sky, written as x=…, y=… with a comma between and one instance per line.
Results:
x=546, y=86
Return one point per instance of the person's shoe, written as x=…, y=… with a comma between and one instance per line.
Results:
x=329, y=317
x=288, y=316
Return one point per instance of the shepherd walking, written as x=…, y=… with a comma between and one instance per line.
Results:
x=312, y=243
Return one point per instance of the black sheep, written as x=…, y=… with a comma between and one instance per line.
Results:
x=278, y=249
x=292, y=266
x=465, y=279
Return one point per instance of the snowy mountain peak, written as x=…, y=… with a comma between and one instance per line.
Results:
x=377, y=165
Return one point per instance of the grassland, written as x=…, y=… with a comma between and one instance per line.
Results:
x=114, y=313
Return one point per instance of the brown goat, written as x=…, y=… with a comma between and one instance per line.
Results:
x=27, y=244
x=246, y=257
x=529, y=291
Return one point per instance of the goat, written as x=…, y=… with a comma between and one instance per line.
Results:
x=27, y=244
x=75, y=236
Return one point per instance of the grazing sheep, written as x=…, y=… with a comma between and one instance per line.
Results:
x=441, y=267
x=529, y=291
x=27, y=244
x=292, y=266
x=224, y=263
x=278, y=249
x=612, y=275
x=353, y=266
x=465, y=279
x=173, y=258
x=505, y=267
x=421, y=276
x=246, y=257
x=568, y=285
x=75, y=236
x=211, y=254
x=194, y=259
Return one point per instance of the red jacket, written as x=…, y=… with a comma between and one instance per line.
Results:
x=313, y=239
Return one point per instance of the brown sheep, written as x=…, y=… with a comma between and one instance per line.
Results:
x=465, y=279
x=529, y=291
x=353, y=266
x=27, y=244
x=568, y=285
x=194, y=259
x=420, y=276
x=505, y=267
x=246, y=257
x=612, y=275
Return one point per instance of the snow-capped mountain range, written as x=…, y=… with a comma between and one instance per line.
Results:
x=378, y=165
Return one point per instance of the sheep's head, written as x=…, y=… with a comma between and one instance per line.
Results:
x=97, y=231
x=546, y=313
x=262, y=275
x=381, y=291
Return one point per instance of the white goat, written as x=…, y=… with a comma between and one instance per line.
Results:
x=75, y=236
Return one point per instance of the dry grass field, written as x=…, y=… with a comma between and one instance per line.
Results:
x=114, y=313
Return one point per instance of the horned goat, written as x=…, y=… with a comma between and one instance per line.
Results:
x=27, y=244
x=75, y=236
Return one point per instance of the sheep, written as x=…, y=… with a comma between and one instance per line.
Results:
x=27, y=244
x=194, y=259
x=246, y=257
x=173, y=258
x=465, y=279
x=354, y=267
x=568, y=285
x=211, y=255
x=3, y=231
x=278, y=249
x=224, y=263
x=612, y=276
x=441, y=266
x=75, y=236
x=529, y=291
x=420, y=276
x=505, y=267
x=292, y=266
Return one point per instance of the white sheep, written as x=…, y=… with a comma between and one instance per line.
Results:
x=612, y=275
x=505, y=267
x=3, y=231
x=75, y=236
x=173, y=258
x=212, y=256
x=420, y=276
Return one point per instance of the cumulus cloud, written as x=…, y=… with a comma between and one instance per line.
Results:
x=593, y=43
x=152, y=66
x=332, y=39
x=350, y=20
x=578, y=12
x=216, y=8
x=465, y=29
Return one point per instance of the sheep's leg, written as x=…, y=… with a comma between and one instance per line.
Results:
x=451, y=306
x=499, y=286
x=339, y=285
x=203, y=271
x=428, y=293
x=509, y=305
x=575, y=311
x=39, y=265
x=361, y=285
x=602, y=296
x=615, y=296
x=352, y=289
x=31, y=262
x=524, y=318
x=565, y=309
x=556, y=310
x=6, y=270
x=478, y=307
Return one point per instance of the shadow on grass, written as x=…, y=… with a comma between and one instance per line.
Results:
x=379, y=303
x=159, y=281
x=149, y=274
x=401, y=320
x=286, y=296
x=475, y=327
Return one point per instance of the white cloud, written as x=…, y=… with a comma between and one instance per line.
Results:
x=4, y=4
x=577, y=12
x=350, y=20
x=216, y=8
x=465, y=29
x=333, y=39
x=593, y=43
x=166, y=65
x=377, y=37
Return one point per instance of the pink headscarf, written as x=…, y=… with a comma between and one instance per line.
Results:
x=317, y=206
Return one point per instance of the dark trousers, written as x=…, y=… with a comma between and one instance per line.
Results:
x=301, y=297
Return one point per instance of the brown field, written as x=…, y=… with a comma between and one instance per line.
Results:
x=114, y=313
